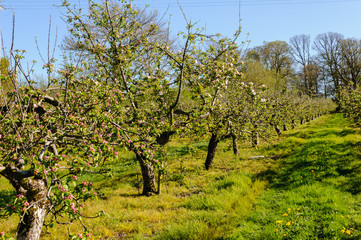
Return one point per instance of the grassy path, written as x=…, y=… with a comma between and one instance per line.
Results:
x=315, y=186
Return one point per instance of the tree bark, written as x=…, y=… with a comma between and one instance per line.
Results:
x=255, y=139
x=32, y=223
x=147, y=174
x=278, y=130
x=285, y=127
x=235, y=144
x=36, y=192
x=212, y=147
x=293, y=124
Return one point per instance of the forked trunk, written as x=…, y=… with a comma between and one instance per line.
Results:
x=30, y=226
x=148, y=176
x=212, y=147
x=235, y=144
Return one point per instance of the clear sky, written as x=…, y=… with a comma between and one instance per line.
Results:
x=263, y=20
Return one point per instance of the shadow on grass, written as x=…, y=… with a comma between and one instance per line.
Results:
x=319, y=159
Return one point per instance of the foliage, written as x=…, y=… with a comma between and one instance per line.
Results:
x=350, y=104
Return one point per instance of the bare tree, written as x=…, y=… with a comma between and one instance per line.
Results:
x=328, y=48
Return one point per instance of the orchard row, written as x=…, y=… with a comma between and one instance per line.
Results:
x=124, y=84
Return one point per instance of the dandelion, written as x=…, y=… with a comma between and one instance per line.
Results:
x=276, y=230
x=288, y=223
x=348, y=232
x=279, y=221
x=285, y=214
x=284, y=235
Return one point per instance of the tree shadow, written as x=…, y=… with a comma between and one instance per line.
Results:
x=331, y=162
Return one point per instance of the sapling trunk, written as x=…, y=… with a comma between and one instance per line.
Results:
x=255, y=139
x=212, y=147
x=235, y=144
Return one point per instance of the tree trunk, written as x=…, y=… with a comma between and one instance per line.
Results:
x=212, y=147
x=278, y=130
x=148, y=175
x=255, y=139
x=235, y=144
x=285, y=127
x=36, y=192
x=302, y=121
x=293, y=124
x=30, y=226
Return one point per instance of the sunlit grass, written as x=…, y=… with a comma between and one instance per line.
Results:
x=314, y=187
x=309, y=178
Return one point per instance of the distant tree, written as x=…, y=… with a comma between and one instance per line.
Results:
x=328, y=48
x=256, y=73
x=309, y=71
x=351, y=61
x=275, y=56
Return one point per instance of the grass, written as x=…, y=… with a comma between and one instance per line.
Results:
x=314, y=186
x=307, y=187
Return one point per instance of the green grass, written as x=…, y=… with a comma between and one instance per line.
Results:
x=310, y=180
x=314, y=186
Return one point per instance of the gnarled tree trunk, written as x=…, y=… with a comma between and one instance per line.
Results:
x=35, y=190
x=32, y=223
x=212, y=147
x=147, y=174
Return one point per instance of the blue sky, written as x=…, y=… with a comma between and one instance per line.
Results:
x=264, y=20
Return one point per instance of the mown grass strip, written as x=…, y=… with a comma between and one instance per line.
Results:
x=314, y=187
